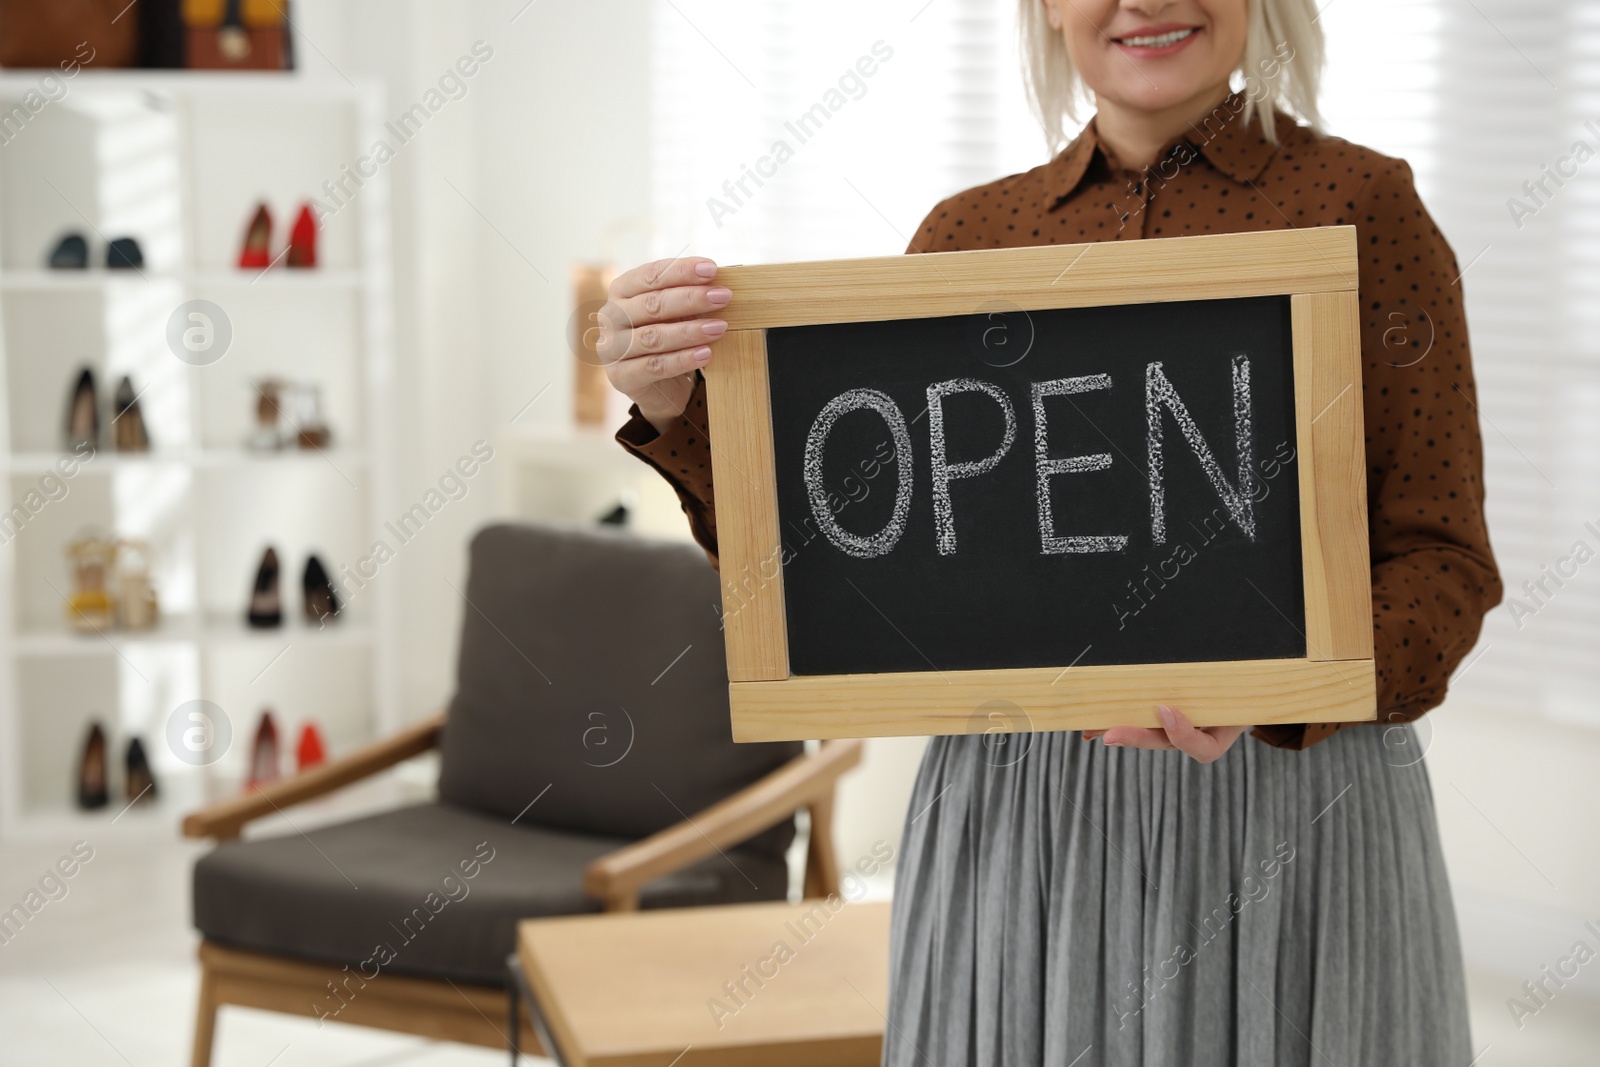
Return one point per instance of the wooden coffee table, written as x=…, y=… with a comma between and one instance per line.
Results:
x=776, y=984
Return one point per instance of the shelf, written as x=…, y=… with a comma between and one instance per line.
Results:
x=231, y=630
x=292, y=85
x=244, y=459
x=85, y=281
x=59, y=639
x=97, y=280
x=276, y=278
x=31, y=463
x=218, y=632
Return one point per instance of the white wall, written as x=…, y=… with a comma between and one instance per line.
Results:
x=520, y=177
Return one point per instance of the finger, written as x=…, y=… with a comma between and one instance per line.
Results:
x=666, y=305
x=1090, y=735
x=663, y=337
x=1210, y=744
x=1203, y=745
x=693, y=270
x=1137, y=737
x=632, y=376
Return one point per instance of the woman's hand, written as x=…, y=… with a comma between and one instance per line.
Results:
x=654, y=336
x=1207, y=744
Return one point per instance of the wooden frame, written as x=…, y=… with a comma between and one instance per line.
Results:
x=1315, y=268
x=478, y=1014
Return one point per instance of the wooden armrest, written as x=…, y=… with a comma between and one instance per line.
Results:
x=226, y=818
x=618, y=876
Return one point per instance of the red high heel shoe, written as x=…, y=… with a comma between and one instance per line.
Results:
x=310, y=752
x=303, y=240
x=257, y=249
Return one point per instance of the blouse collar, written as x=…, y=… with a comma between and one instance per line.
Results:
x=1237, y=149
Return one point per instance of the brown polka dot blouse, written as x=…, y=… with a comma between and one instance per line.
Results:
x=1433, y=574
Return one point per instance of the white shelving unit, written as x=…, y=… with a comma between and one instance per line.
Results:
x=179, y=161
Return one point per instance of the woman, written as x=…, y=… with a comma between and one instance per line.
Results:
x=1181, y=895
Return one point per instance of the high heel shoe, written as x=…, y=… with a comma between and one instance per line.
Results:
x=303, y=240
x=257, y=248
x=128, y=431
x=70, y=253
x=124, y=253
x=310, y=751
x=264, y=753
x=266, y=602
x=321, y=602
x=83, y=414
x=138, y=784
x=92, y=782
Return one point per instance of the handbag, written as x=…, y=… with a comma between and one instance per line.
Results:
x=237, y=35
x=65, y=32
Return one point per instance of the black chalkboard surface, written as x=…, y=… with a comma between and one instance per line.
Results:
x=914, y=538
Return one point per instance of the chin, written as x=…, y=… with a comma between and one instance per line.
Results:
x=1167, y=92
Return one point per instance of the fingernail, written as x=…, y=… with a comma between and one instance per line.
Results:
x=1168, y=720
x=1112, y=744
x=719, y=295
x=706, y=269
x=702, y=354
x=714, y=328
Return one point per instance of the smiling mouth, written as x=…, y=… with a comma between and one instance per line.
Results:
x=1160, y=40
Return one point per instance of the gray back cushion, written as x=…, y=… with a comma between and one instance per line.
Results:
x=592, y=664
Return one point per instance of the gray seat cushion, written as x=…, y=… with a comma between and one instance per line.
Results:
x=592, y=662
x=396, y=881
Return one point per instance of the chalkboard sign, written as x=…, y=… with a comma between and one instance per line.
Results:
x=1045, y=488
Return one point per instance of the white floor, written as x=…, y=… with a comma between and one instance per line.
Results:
x=105, y=975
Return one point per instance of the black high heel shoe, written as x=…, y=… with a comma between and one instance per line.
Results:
x=70, y=253
x=83, y=414
x=123, y=253
x=266, y=602
x=93, y=784
x=128, y=432
x=138, y=784
x=321, y=603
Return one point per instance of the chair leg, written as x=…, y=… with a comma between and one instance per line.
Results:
x=205, y=1020
x=512, y=1004
x=822, y=866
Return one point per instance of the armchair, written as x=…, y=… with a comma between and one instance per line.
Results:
x=586, y=765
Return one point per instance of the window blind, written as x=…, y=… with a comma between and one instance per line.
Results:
x=1484, y=99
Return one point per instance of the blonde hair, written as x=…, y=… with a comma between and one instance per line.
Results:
x=1281, y=67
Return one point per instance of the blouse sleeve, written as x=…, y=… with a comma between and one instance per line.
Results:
x=1433, y=574
x=681, y=455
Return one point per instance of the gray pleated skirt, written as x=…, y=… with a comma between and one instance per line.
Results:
x=1058, y=902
